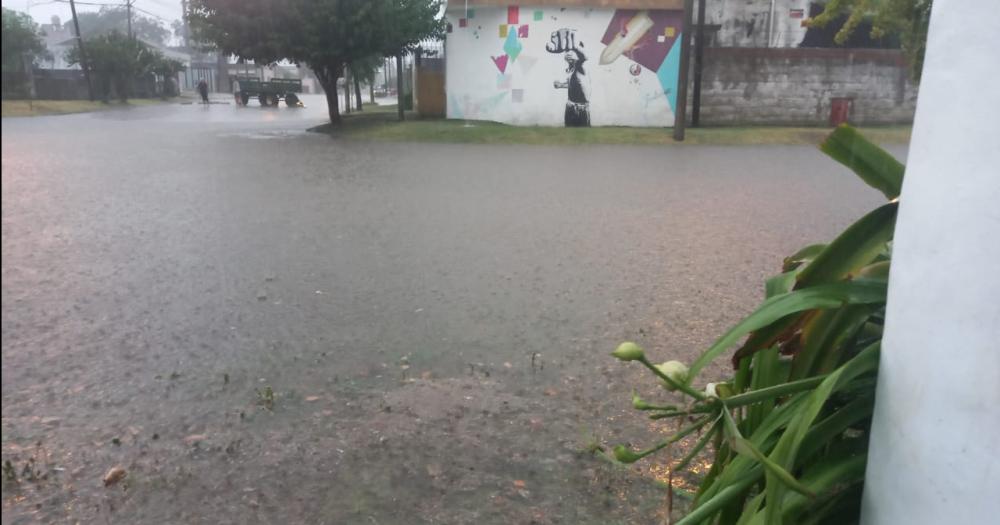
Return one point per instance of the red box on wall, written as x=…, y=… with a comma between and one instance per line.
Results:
x=840, y=110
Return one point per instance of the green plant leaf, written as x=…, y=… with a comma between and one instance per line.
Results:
x=856, y=247
x=862, y=291
x=802, y=256
x=873, y=164
x=743, y=446
x=785, y=452
x=779, y=284
x=824, y=337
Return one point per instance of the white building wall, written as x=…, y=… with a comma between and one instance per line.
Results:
x=934, y=455
x=492, y=75
x=748, y=23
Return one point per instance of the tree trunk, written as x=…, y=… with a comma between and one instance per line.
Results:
x=371, y=90
x=328, y=80
x=347, y=90
x=222, y=84
x=357, y=92
x=399, y=85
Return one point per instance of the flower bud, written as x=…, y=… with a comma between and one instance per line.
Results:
x=710, y=390
x=628, y=351
x=638, y=403
x=676, y=371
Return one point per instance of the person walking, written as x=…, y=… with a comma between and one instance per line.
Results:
x=203, y=91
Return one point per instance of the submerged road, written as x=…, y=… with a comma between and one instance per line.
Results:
x=265, y=325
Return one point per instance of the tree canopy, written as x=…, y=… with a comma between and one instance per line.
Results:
x=906, y=19
x=115, y=18
x=20, y=38
x=118, y=59
x=324, y=34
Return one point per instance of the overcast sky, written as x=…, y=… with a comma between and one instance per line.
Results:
x=42, y=10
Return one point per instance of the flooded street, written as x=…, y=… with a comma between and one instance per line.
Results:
x=265, y=325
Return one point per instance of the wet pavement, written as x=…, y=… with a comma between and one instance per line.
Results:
x=264, y=325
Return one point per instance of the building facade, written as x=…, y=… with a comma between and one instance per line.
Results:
x=561, y=64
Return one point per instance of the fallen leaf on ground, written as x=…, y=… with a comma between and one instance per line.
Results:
x=114, y=475
x=194, y=439
x=312, y=398
x=519, y=483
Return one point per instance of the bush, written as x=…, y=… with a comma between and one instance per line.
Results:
x=790, y=427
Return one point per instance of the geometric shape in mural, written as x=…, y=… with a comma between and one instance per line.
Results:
x=512, y=46
x=502, y=30
x=634, y=34
x=504, y=80
x=522, y=32
x=512, y=14
x=471, y=14
x=539, y=15
x=462, y=22
x=517, y=96
x=667, y=74
x=527, y=62
x=501, y=62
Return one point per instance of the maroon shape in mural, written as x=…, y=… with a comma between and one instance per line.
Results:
x=641, y=36
x=501, y=62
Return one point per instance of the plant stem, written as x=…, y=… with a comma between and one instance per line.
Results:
x=755, y=396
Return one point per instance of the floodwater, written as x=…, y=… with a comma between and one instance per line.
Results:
x=265, y=325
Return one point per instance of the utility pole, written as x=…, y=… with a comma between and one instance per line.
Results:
x=83, y=54
x=680, y=112
x=699, y=51
x=184, y=23
x=128, y=8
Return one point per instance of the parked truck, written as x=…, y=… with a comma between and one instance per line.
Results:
x=269, y=92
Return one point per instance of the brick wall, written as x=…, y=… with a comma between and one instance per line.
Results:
x=794, y=86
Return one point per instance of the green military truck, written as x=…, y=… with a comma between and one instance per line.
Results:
x=268, y=93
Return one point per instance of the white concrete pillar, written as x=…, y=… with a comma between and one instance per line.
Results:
x=935, y=447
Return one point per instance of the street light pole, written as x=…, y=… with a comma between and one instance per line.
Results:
x=83, y=54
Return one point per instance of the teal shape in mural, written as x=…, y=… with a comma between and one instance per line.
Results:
x=456, y=108
x=668, y=72
x=512, y=46
x=491, y=103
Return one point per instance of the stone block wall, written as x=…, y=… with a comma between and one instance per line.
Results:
x=795, y=86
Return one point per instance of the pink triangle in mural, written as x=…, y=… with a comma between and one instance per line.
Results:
x=501, y=62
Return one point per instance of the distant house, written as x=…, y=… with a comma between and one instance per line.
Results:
x=58, y=39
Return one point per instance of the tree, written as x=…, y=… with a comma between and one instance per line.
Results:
x=115, y=18
x=907, y=19
x=408, y=23
x=21, y=40
x=324, y=34
x=118, y=59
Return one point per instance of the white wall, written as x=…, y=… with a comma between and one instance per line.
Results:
x=935, y=452
x=747, y=23
x=622, y=92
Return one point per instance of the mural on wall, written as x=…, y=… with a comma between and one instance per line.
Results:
x=563, y=66
x=577, y=83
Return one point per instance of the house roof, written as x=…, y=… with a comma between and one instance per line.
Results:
x=617, y=4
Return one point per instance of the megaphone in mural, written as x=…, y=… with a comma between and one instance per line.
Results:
x=634, y=29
